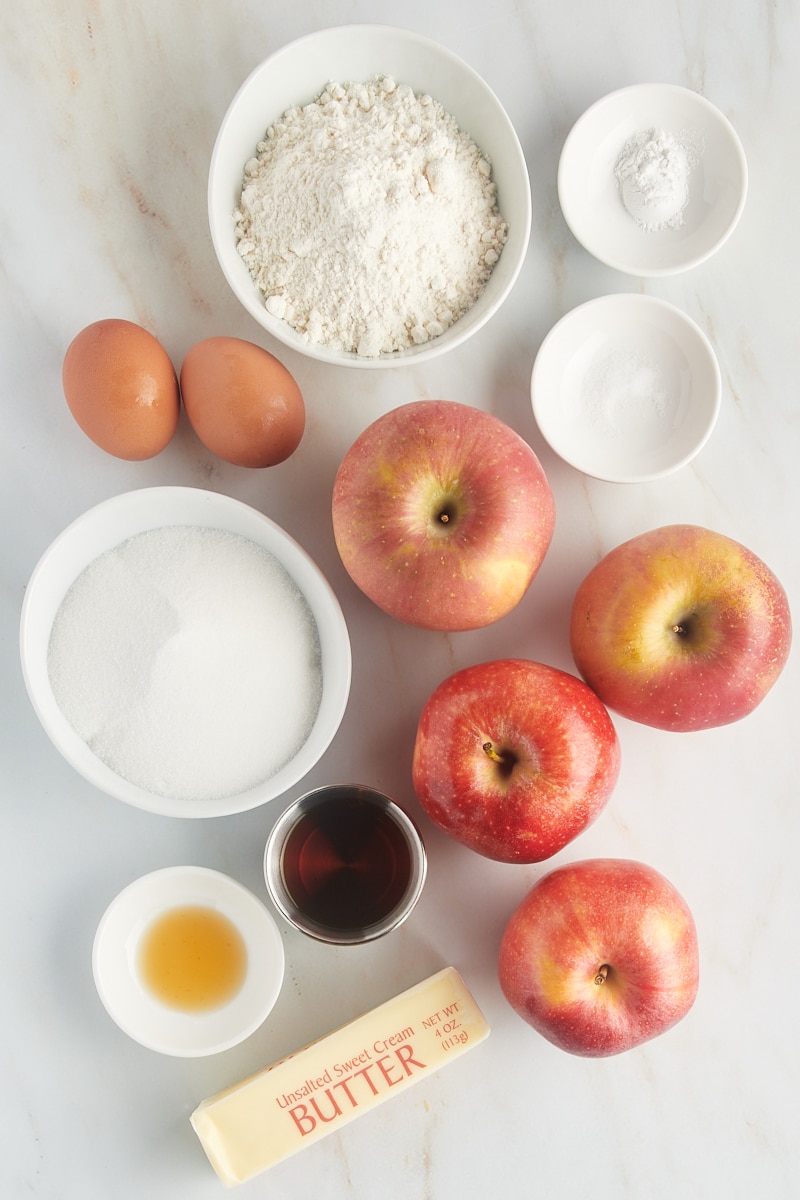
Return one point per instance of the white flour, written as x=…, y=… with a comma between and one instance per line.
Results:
x=653, y=172
x=368, y=219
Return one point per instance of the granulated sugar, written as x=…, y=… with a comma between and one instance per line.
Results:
x=189, y=662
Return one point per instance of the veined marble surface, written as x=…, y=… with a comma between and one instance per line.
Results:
x=109, y=112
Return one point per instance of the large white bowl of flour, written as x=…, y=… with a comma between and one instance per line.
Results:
x=380, y=253
x=184, y=653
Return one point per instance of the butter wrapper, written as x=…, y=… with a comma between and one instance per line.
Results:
x=318, y=1090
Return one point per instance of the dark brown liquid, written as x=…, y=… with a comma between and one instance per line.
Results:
x=346, y=864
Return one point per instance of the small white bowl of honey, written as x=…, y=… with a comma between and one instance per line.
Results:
x=187, y=961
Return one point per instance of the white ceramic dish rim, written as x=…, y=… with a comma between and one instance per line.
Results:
x=357, y=52
x=138, y=1013
x=588, y=191
x=106, y=525
x=609, y=312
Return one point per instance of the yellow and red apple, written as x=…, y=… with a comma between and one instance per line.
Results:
x=442, y=515
x=681, y=628
x=600, y=956
x=514, y=758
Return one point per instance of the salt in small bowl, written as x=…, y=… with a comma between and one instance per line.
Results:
x=626, y=388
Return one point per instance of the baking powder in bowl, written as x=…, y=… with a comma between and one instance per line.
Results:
x=368, y=219
x=653, y=171
x=189, y=661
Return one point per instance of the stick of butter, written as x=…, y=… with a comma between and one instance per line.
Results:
x=316, y=1091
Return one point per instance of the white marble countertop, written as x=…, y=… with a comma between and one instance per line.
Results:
x=109, y=111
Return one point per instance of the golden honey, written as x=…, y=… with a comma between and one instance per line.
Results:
x=192, y=958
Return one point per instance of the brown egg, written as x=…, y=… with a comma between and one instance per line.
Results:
x=121, y=388
x=242, y=403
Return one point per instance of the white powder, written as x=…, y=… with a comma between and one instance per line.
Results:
x=189, y=662
x=626, y=392
x=368, y=219
x=653, y=172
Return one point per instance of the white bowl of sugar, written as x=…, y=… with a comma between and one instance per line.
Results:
x=371, y=231
x=626, y=388
x=184, y=653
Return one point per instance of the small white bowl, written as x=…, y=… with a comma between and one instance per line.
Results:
x=106, y=526
x=295, y=75
x=626, y=388
x=590, y=197
x=126, y=998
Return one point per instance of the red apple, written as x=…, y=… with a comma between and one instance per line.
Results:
x=442, y=515
x=600, y=956
x=681, y=628
x=514, y=758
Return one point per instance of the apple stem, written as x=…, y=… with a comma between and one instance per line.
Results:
x=447, y=511
x=680, y=630
x=602, y=974
x=506, y=760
